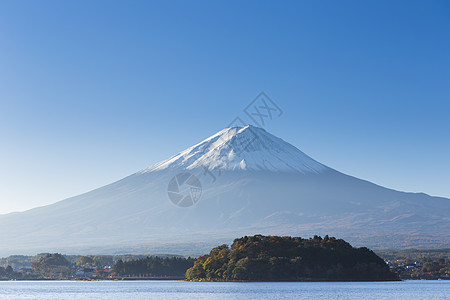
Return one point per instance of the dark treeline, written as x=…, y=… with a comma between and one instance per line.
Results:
x=154, y=266
x=273, y=258
x=26, y=261
x=419, y=264
x=8, y=273
x=58, y=266
x=256, y=258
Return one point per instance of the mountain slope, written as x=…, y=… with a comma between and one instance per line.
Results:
x=245, y=181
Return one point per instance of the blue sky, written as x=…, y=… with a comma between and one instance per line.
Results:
x=92, y=91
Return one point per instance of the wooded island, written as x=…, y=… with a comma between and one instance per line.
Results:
x=274, y=258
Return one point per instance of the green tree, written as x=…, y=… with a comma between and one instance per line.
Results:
x=52, y=266
x=85, y=261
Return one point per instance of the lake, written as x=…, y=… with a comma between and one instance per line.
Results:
x=224, y=290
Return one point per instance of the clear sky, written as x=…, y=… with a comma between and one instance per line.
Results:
x=92, y=91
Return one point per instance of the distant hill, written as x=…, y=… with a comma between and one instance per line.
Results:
x=273, y=258
x=415, y=254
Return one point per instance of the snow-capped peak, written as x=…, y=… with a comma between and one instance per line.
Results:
x=242, y=148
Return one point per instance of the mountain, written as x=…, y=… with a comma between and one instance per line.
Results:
x=245, y=148
x=240, y=181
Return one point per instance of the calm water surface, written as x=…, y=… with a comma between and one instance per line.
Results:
x=212, y=290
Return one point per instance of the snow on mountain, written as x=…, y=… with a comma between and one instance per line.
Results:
x=240, y=181
x=242, y=148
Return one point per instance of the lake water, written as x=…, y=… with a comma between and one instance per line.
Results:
x=223, y=290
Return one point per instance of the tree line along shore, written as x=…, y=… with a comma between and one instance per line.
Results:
x=253, y=258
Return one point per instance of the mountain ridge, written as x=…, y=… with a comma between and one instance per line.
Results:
x=137, y=212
